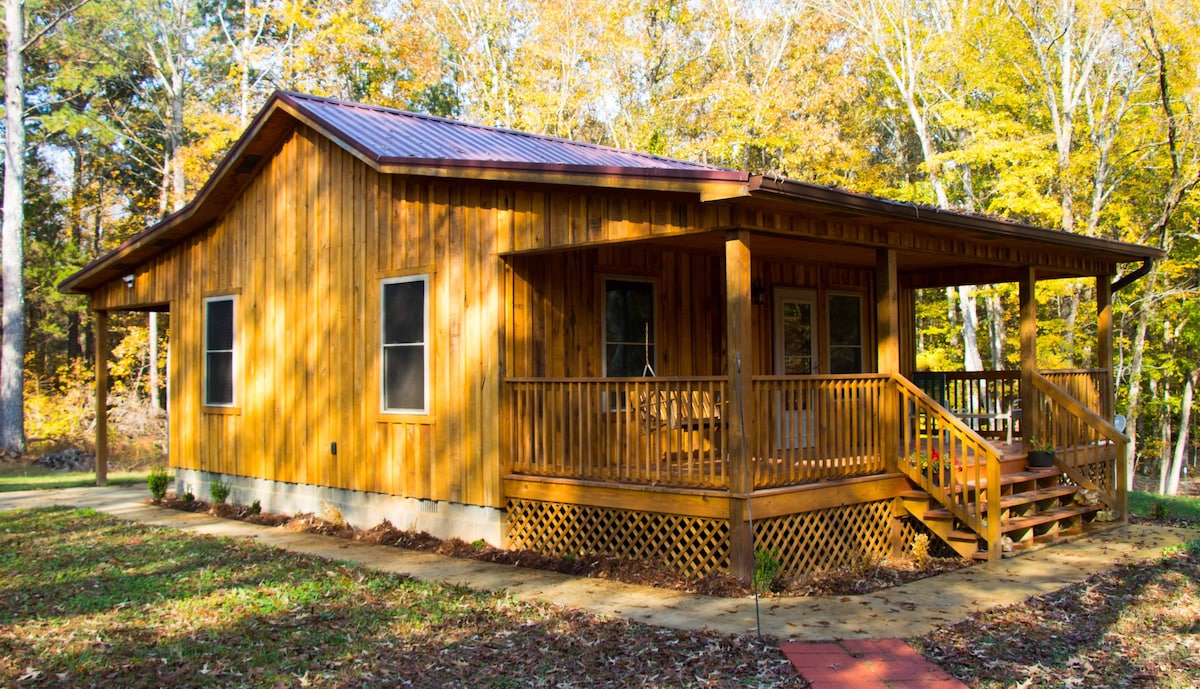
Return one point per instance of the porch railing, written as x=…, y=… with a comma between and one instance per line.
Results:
x=1087, y=446
x=950, y=461
x=664, y=431
x=986, y=401
x=1091, y=387
x=815, y=428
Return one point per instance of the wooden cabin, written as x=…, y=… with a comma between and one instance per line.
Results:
x=548, y=344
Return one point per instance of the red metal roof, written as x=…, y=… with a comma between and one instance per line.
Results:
x=390, y=136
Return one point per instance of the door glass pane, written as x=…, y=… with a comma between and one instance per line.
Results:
x=797, y=339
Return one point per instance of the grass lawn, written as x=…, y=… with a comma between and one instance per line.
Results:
x=32, y=480
x=1176, y=507
x=90, y=601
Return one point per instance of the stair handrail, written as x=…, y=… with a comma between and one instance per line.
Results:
x=948, y=440
x=1051, y=394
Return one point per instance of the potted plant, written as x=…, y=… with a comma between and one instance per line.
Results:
x=1040, y=454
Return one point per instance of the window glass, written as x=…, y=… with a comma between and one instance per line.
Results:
x=404, y=305
x=845, y=333
x=629, y=337
x=218, y=351
x=797, y=338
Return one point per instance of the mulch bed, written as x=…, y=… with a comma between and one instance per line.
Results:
x=865, y=577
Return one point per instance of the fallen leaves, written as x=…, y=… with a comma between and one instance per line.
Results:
x=1124, y=627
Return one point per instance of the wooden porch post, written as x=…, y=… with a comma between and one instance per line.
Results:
x=739, y=352
x=1104, y=344
x=101, y=398
x=1030, y=416
x=887, y=311
x=887, y=358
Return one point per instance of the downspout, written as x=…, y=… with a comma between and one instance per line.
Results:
x=1125, y=281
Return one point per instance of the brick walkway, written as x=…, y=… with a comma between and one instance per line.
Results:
x=866, y=664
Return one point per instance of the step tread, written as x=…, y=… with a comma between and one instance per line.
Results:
x=1047, y=540
x=1017, y=477
x=1020, y=523
x=1048, y=516
x=1013, y=500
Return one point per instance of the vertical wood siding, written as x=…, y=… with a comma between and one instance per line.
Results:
x=555, y=310
x=304, y=248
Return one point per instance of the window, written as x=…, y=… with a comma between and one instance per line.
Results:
x=629, y=348
x=218, y=351
x=845, y=333
x=404, y=325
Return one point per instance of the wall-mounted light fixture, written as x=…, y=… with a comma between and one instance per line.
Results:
x=128, y=280
x=758, y=293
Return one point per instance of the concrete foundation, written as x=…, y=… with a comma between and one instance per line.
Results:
x=359, y=509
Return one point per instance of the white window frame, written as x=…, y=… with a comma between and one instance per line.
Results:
x=233, y=352
x=424, y=344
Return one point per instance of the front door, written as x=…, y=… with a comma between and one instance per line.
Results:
x=795, y=355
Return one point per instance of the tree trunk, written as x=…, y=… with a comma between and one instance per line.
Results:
x=995, y=311
x=1181, y=443
x=1164, y=444
x=155, y=400
x=1137, y=347
x=12, y=347
x=970, y=329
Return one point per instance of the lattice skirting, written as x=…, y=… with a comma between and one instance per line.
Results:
x=803, y=543
x=830, y=538
x=689, y=545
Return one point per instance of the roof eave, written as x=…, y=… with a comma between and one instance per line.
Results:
x=870, y=205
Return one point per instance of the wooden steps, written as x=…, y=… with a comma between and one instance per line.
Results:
x=1036, y=507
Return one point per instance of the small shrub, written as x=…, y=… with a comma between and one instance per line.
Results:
x=256, y=507
x=766, y=568
x=862, y=563
x=1191, y=547
x=187, y=496
x=1158, y=511
x=219, y=492
x=157, y=482
x=920, y=549
x=479, y=544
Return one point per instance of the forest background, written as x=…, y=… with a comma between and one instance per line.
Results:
x=1079, y=116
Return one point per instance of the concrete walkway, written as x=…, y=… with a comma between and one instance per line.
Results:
x=903, y=611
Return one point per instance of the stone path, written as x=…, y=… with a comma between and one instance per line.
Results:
x=901, y=612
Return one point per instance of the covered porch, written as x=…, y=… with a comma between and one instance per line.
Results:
x=735, y=440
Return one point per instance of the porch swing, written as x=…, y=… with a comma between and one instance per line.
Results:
x=677, y=410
